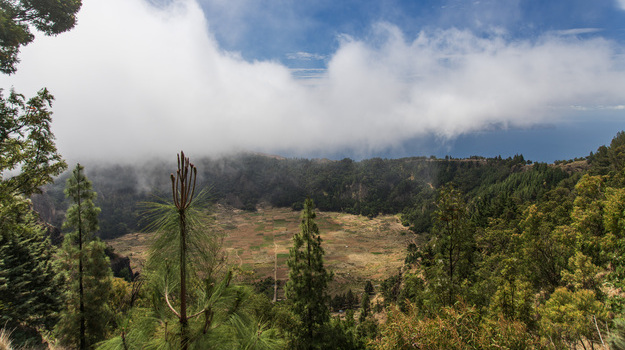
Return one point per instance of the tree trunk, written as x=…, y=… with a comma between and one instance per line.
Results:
x=81, y=291
x=184, y=341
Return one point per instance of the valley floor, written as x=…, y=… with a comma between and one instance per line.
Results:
x=357, y=248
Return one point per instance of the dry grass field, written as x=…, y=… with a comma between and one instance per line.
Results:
x=357, y=248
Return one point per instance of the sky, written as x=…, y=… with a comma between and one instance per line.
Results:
x=328, y=78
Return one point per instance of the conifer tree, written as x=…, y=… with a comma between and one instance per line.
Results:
x=28, y=160
x=29, y=298
x=86, y=268
x=183, y=190
x=453, y=244
x=365, y=307
x=369, y=287
x=308, y=281
x=190, y=303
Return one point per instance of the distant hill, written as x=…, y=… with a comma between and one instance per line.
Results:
x=369, y=187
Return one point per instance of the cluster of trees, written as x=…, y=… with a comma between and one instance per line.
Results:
x=344, y=301
x=532, y=261
x=516, y=255
x=518, y=270
x=368, y=187
x=68, y=296
x=186, y=297
x=29, y=301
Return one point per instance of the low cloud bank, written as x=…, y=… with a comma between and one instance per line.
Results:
x=136, y=80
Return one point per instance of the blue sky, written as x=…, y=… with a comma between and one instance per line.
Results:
x=276, y=29
x=334, y=78
x=303, y=34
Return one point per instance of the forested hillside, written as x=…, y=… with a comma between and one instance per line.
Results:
x=368, y=187
x=488, y=253
x=531, y=261
x=510, y=254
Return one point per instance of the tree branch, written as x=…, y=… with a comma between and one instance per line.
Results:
x=196, y=314
x=169, y=304
x=598, y=331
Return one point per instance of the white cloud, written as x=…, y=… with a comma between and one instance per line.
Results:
x=577, y=31
x=621, y=4
x=305, y=56
x=135, y=79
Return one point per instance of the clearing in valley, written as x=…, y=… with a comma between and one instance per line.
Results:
x=357, y=248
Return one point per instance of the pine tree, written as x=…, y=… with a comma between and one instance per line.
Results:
x=365, y=307
x=369, y=287
x=190, y=303
x=308, y=281
x=453, y=244
x=183, y=191
x=351, y=301
x=28, y=160
x=29, y=296
x=86, y=268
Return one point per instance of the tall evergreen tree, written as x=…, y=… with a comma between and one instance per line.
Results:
x=86, y=268
x=190, y=302
x=452, y=244
x=29, y=297
x=308, y=281
x=28, y=160
x=365, y=307
x=183, y=191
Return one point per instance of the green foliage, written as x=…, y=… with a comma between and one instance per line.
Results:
x=571, y=317
x=307, y=284
x=582, y=273
x=187, y=301
x=82, y=215
x=614, y=212
x=266, y=286
x=86, y=317
x=344, y=334
x=201, y=248
x=617, y=338
x=458, y=327
x=544, y=263
x=544, y=248
x=452, y=244
x=514, y=300
x=390, y=288
x=344, y=301
x=369, y=287
x=587, y=212
x=528, y=185
x=223, y=316
x=610, y=160
x=365, y=307
x=29, y=289
x=29, y=297
x=368, y=187
x=16, y=17
x=96, y=283
x=26, y=143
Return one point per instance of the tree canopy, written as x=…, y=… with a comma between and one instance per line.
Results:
x=307, y=284
x=50, y=17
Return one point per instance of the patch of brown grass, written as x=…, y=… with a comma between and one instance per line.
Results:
x=357, y=248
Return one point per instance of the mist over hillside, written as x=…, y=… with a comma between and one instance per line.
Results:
x=368, y=187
